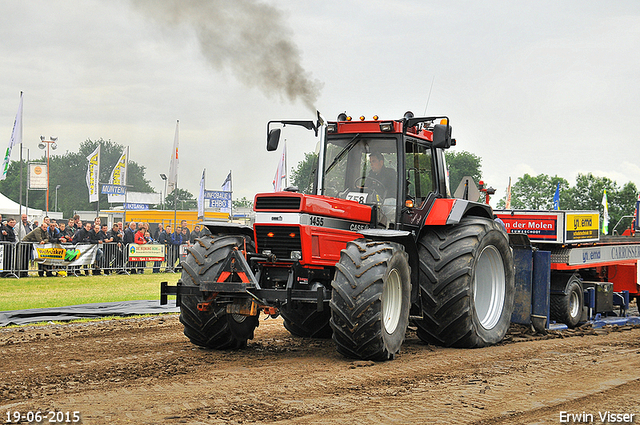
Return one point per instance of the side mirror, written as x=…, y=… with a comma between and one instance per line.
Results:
x=273, y=139
x=441, y=136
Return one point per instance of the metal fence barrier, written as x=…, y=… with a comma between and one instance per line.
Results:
x=17, y=260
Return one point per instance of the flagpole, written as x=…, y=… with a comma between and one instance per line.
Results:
x=20, y=197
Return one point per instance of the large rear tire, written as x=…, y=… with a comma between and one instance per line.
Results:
x=212, y=329
x=466, y=284
x=370, y=300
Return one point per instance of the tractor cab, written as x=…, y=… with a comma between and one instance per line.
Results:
x=393, y=166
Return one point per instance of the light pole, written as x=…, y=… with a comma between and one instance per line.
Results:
x=164, y=177
x=46, y=143
x=57, y=187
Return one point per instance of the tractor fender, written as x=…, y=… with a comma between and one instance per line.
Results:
x=445, y=211
x=406, y=239
x=221, y=228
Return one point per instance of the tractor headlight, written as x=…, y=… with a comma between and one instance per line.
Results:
x=296, y=255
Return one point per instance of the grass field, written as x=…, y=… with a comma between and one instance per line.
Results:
x=39, y=292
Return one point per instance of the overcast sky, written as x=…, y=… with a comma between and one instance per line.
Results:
x=547, y=87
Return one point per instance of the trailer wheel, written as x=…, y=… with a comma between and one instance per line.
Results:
x=370, y=300
x=466, y=284
x=215, y=328
x=305, y=321
x=567, y=308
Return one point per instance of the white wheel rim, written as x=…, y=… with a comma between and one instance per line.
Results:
x=391, y=301
x=489, y=285
x=574, y=304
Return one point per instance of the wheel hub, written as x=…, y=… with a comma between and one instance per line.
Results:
x=489, y=287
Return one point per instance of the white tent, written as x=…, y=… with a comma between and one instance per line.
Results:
x=10, y=208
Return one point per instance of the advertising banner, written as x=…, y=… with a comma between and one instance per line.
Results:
x=146, y=252
x=37, y=175
x=65, y=255
x=539, y=227
x=218, y=199
x=582, y=226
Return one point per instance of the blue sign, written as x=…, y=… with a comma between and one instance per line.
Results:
x=218, y=199
x=135, y=206
x=217, y=194
x=113, y=189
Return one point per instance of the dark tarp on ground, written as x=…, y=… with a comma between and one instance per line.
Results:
x=84, y=311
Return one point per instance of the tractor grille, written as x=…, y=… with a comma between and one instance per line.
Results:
x=278, y=203
x=281, y=240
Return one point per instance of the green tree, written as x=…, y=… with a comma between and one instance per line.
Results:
x=185, y=200
x=536, y=193
x=588, y=192
x=242, y=203
x=462, y=164
x=69, y=171
x=304, y=174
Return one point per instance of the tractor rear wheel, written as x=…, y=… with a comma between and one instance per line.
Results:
x=215, y=328
x=466, y=284
x=370, y=300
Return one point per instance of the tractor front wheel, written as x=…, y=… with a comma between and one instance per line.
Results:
x=370, y=300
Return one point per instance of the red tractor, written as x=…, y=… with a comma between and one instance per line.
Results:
x=379, y=243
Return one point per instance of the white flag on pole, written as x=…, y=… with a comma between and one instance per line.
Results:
x=172, y=182
x=201, y=198
x=226, y=187
x=93, y=173
x=281, y=172
x=605, y=215
x=16, y=138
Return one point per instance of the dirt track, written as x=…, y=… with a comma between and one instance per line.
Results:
x=144, y=371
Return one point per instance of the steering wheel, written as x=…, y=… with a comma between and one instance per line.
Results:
x=362, y=182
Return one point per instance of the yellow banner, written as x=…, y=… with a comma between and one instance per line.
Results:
x=582, y=225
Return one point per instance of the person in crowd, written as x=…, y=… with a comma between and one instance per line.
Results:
x=55, y=236
x=24, y=250
x=139, y=235
x=114, y=254
x=10, y=239
x=139, y=239
x=165, y=238
x=77, y=223
x=185, y=236
x=176, y=241
x=105, y=239
x=194, y=234
x=24, y=227
x=39, y=235
x=183, y=225
x=128, y=239
x=71, y=229
x=3, y=231
x=65, y=231
x=97, y=239
x=159, y=229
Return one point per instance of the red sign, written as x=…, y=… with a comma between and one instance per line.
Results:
x=537, y=227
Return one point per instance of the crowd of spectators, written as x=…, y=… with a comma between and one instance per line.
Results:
x=18, y=237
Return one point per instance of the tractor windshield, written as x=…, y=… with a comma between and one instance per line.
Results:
x=363, y=169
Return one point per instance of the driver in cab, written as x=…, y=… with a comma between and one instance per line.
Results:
x=385, y=176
